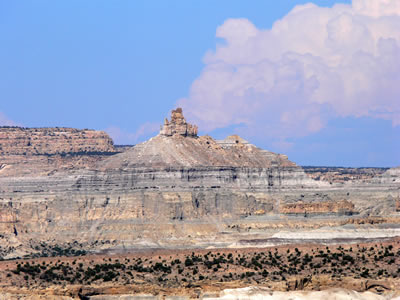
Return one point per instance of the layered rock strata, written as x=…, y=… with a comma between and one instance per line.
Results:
x=338, y=207
x=44, y=151
x=342, y=175
x=181, y=190
x=178, y=125
x=51, y=141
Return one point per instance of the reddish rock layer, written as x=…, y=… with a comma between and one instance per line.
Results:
x=317, y=207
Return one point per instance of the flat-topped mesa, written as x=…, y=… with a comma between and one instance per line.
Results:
x=52, y=141
x=178, y=125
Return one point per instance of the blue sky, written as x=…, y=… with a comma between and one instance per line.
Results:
x=121, y=66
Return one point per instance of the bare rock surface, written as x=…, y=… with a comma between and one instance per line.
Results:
x=343, y=175
x=49, y=141
x=44, y=151
x=253, y=293
x=175, y=190
x=179, y=151
x=178, y=125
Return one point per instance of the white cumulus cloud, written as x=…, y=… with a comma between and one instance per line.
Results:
x=313, y=65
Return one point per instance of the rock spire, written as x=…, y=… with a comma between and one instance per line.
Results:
x=178, y=125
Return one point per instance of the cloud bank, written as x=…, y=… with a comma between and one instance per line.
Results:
x=313, y=65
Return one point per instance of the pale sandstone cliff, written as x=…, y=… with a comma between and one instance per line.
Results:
x=178, y=190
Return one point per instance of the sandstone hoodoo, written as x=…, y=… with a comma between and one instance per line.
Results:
x=176, y=190
x=177, y=145
x=178, y=125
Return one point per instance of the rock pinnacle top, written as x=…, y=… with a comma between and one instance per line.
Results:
x=178, y=125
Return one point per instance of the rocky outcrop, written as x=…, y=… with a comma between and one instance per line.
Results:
x=343, y=175
x=178, y=125
x=45, y=165
x=328, y=207
x=391, y=176
x=202, y=152
x=298, y=284
x=45, y=151
x=249, y=293
x=253, y=293
x=52, y=141
x=175, y=190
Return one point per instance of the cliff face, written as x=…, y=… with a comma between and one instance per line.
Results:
x=51, y=141
x=178, y=125
x=44, y=151
x=326, y=207
x=175, y=190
